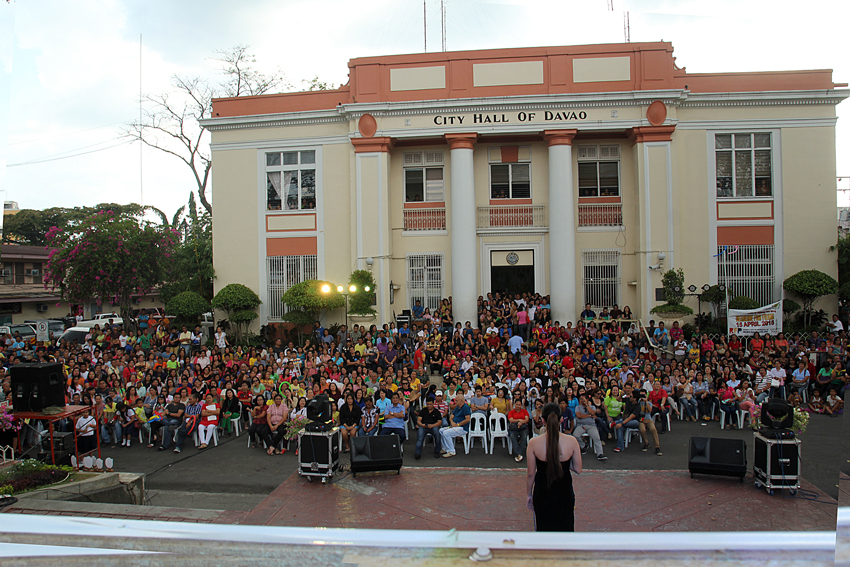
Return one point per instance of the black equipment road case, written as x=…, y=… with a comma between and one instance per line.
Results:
x=777, y=463
x=318, y=454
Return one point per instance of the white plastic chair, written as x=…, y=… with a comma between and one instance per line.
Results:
x=742, y=415
x=630, y=432
x=723, y=415
x=658, y=416
x=196, y=437
x=477, y=429
x=499, y=429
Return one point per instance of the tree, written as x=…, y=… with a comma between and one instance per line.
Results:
x=674, y=292
x=30, y=227
x=192, y=269
x=316, y=84
x=361, y=301
x=743, y=302
x=187, y=307
x=108, y=256
x=305, y=302
x=239, y=302
x=171, y=123
x=809, y=285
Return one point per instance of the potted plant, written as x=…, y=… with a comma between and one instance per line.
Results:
x=360, y=302
x=674, y=292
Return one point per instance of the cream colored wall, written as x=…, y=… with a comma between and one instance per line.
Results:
x=236, y=207
x=690, y=185
x=808, y=186
x=260, y=135
x=29, y=311
x=755, y=112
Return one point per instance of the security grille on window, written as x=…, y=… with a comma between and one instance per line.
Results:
x=598, y=171
x=283, y=273
x=601, y=277
x=743, y=165
x=747, y=270
x=423, y=177
x=425, y=280
x=510, y=180
x=291, y=180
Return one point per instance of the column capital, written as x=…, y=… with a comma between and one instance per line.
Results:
x=560, y=137
x=642, y=134
x=462, y=141
x=364, y=145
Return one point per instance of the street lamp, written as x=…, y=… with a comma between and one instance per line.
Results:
x=351, y=289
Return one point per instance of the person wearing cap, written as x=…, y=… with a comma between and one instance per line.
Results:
x=429, y=420
x=441, y=407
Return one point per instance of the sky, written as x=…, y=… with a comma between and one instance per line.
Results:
x=71, y=72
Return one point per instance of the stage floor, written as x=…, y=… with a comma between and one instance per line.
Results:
x=439, y=498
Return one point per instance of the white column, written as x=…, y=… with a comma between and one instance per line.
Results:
x=463, y=216
x=564, y=292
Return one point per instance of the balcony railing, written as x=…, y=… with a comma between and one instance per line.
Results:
x=609, y=214
x=425, y=219
x=511, y=216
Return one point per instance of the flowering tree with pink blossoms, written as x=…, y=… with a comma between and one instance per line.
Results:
x=108, y=257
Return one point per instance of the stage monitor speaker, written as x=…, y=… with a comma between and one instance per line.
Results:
x=377, y=453
x=36, y=386
x=715, y=455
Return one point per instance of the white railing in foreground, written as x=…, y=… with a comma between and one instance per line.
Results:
x=122, y=530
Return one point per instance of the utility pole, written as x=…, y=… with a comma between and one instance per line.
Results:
x=425, y=23
x=443, y=21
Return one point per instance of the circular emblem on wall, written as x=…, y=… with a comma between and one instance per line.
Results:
x=512, y=258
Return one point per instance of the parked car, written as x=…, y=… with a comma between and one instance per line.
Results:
x=102, y=319
x=55, y=327
x=75, y=335
x=26, y=331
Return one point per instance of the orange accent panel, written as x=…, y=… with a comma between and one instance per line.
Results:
x=364, y=145
x=426, y=205
x=559, y=137
x=734, y=235
x=291, y=246
x=656, y=113
x=592, y=200
x=510, y=154
x=652, y=67
x=461, y=141
x=367, y=125
x=496, y=202
x=651, y=134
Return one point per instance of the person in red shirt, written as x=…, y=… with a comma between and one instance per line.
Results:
x=658, y=398
x=418, y=358
x=518, y=420
x=756, y=343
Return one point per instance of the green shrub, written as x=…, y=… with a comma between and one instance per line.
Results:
x=187, y=307
x=743, y=302
x=672, y=308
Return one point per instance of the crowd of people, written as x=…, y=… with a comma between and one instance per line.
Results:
x=431, y=375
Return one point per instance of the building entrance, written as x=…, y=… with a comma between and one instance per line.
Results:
x=512, y=279
x=512, y=271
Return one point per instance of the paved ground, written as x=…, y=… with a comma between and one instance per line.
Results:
x=234, y=475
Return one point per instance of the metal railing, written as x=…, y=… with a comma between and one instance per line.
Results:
x=425, y=219
x=600, y=214
x=511, y=216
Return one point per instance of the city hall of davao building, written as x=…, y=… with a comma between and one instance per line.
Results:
x=580, y=172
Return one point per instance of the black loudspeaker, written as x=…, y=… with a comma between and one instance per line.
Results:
x=713, y=455
x=37, y=386
x=777, y=418
x=377, y=453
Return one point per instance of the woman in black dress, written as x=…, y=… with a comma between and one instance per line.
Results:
x=550, y=484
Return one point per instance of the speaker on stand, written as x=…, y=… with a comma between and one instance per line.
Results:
x=717, y=456
x=36, y=386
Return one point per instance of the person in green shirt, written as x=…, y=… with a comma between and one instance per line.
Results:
x=615, y=405
x=145, y=341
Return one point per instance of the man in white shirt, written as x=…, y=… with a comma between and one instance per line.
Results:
x=836, y=326
x=515, y=343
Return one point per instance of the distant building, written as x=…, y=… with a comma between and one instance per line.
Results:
x=843, y=221
x=10, y=208
x=583, y=172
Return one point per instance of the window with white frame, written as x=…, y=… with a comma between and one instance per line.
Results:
x=423, y=177
x=291, y=180
x=744, y=165
x=510, y=180
x=283, y=272
x=425, y=279
x=600, y=277
x=747, y=270
x=598, y=171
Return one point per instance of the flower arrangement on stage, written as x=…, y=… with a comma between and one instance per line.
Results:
x=8, y=421
x=801, y=420
x=293, y=427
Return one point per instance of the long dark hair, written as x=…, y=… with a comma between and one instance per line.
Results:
x=552, y=416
